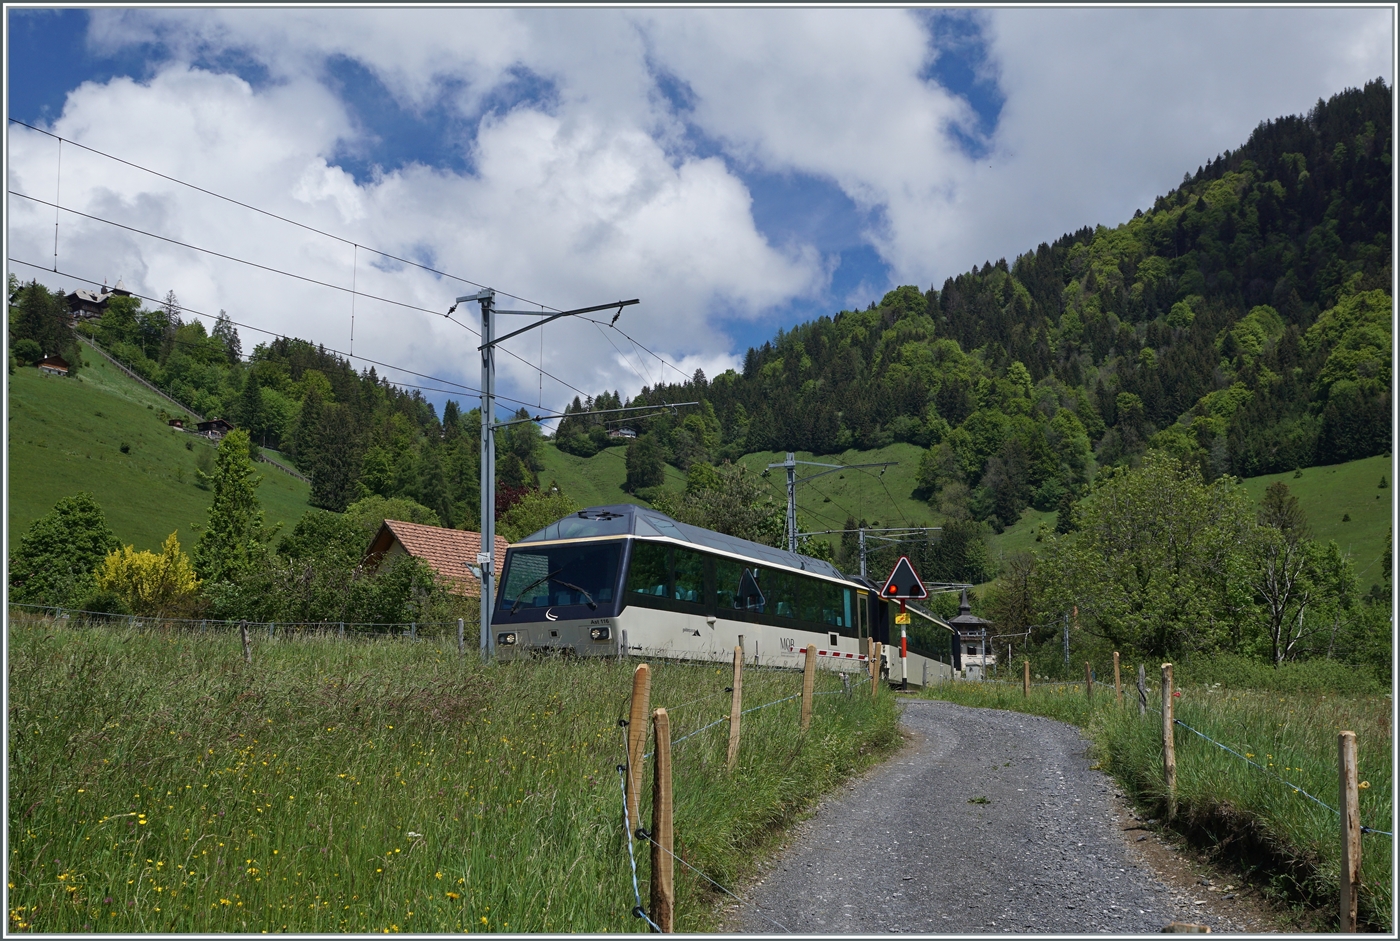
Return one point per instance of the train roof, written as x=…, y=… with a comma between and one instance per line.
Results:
x=627, y=519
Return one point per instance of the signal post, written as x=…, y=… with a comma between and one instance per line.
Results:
x=903, y=585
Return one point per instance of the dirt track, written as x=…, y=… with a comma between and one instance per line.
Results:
x=989, y=821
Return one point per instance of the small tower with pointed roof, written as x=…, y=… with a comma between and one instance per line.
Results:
x=972, y=637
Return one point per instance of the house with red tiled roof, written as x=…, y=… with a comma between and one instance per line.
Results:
x=450, y=552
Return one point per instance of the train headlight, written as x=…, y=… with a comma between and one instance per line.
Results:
x=599, y=633
x=506, y=640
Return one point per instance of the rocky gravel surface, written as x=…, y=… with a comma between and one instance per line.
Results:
x=989, y=821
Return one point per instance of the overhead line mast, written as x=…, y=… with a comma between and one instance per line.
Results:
x=486, y=557
x=792, y=480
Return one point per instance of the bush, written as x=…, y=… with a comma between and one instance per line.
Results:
x=56, y=556
x=27, y=352
x=148, y=583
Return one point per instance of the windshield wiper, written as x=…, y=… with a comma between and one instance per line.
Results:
x=539, y=581
x=592, y=605
x=581, y=591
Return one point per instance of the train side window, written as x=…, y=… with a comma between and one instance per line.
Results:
x=647, y=573
x=728, y=572
x=689, y=582
x=812, y=598
x=781, y=589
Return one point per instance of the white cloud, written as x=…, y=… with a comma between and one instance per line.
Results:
x=599, y=189
x=559, y=208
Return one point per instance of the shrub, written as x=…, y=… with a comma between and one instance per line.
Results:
x=27, y=352
x=153, y=584
x=56, y=556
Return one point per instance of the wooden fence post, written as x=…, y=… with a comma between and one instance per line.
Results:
x=637, y=739
x=1088, y=681
x=1168, y=742
x=736, y=708
x=247, y=644
x=1351, y=829
x=1142, y=690
x=342, y=630
x=1026, y=679
x=875, y=668
x=809, y=680
x=663, y=890
x=461, y=637
x=1117, y=680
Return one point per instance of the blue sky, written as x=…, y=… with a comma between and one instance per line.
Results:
x=743, y=171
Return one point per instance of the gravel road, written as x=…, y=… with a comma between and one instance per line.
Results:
x=989, y=821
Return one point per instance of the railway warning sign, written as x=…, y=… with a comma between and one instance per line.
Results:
x=903, y=583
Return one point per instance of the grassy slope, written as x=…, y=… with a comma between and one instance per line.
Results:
x=59, y=444
x=597, y=480
x=1326, y=493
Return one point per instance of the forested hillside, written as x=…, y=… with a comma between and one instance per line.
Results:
x=1243, y=322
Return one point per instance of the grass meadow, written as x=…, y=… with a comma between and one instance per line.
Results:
x=66, y=434
x=1241, y=814
x=157, y=783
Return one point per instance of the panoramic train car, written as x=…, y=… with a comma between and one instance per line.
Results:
x=625, y=580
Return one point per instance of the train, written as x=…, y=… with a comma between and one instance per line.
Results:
x=629, y=581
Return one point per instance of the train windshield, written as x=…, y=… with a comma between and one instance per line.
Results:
x=546, y=576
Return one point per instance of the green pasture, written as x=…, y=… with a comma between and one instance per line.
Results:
x=1329, y=493
x=65, y=435
x=157, y=783
x=596, y=480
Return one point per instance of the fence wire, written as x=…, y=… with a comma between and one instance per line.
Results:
x=377, y=628
x=1296, y=788
x=639, y=912
x=648, y=837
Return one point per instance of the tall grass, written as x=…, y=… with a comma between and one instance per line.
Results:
x=158, y=783
x=1238, y=811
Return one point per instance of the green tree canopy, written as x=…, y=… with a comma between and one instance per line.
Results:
x=1158, y=563
x=56, y=557
x=370, y=513
x=235, y=541
x=536, y=510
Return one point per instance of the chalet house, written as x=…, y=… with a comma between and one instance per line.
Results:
x=53, y=365
x=214, y=429
x=626, y=433
x=973, y=655
x=450, y=552
x=89, y=305
x=177, y=423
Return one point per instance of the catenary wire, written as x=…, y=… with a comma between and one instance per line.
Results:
x=288, y=274
x=268, y=213
x=226, y=257
x=324, y=233
x=648, y=351
x=281, y=336
x=623, y=356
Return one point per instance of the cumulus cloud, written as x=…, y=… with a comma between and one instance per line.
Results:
x=614, y=153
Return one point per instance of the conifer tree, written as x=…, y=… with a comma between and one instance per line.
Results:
x=235, y=541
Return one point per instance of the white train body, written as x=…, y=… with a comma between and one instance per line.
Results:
x=628, y=581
